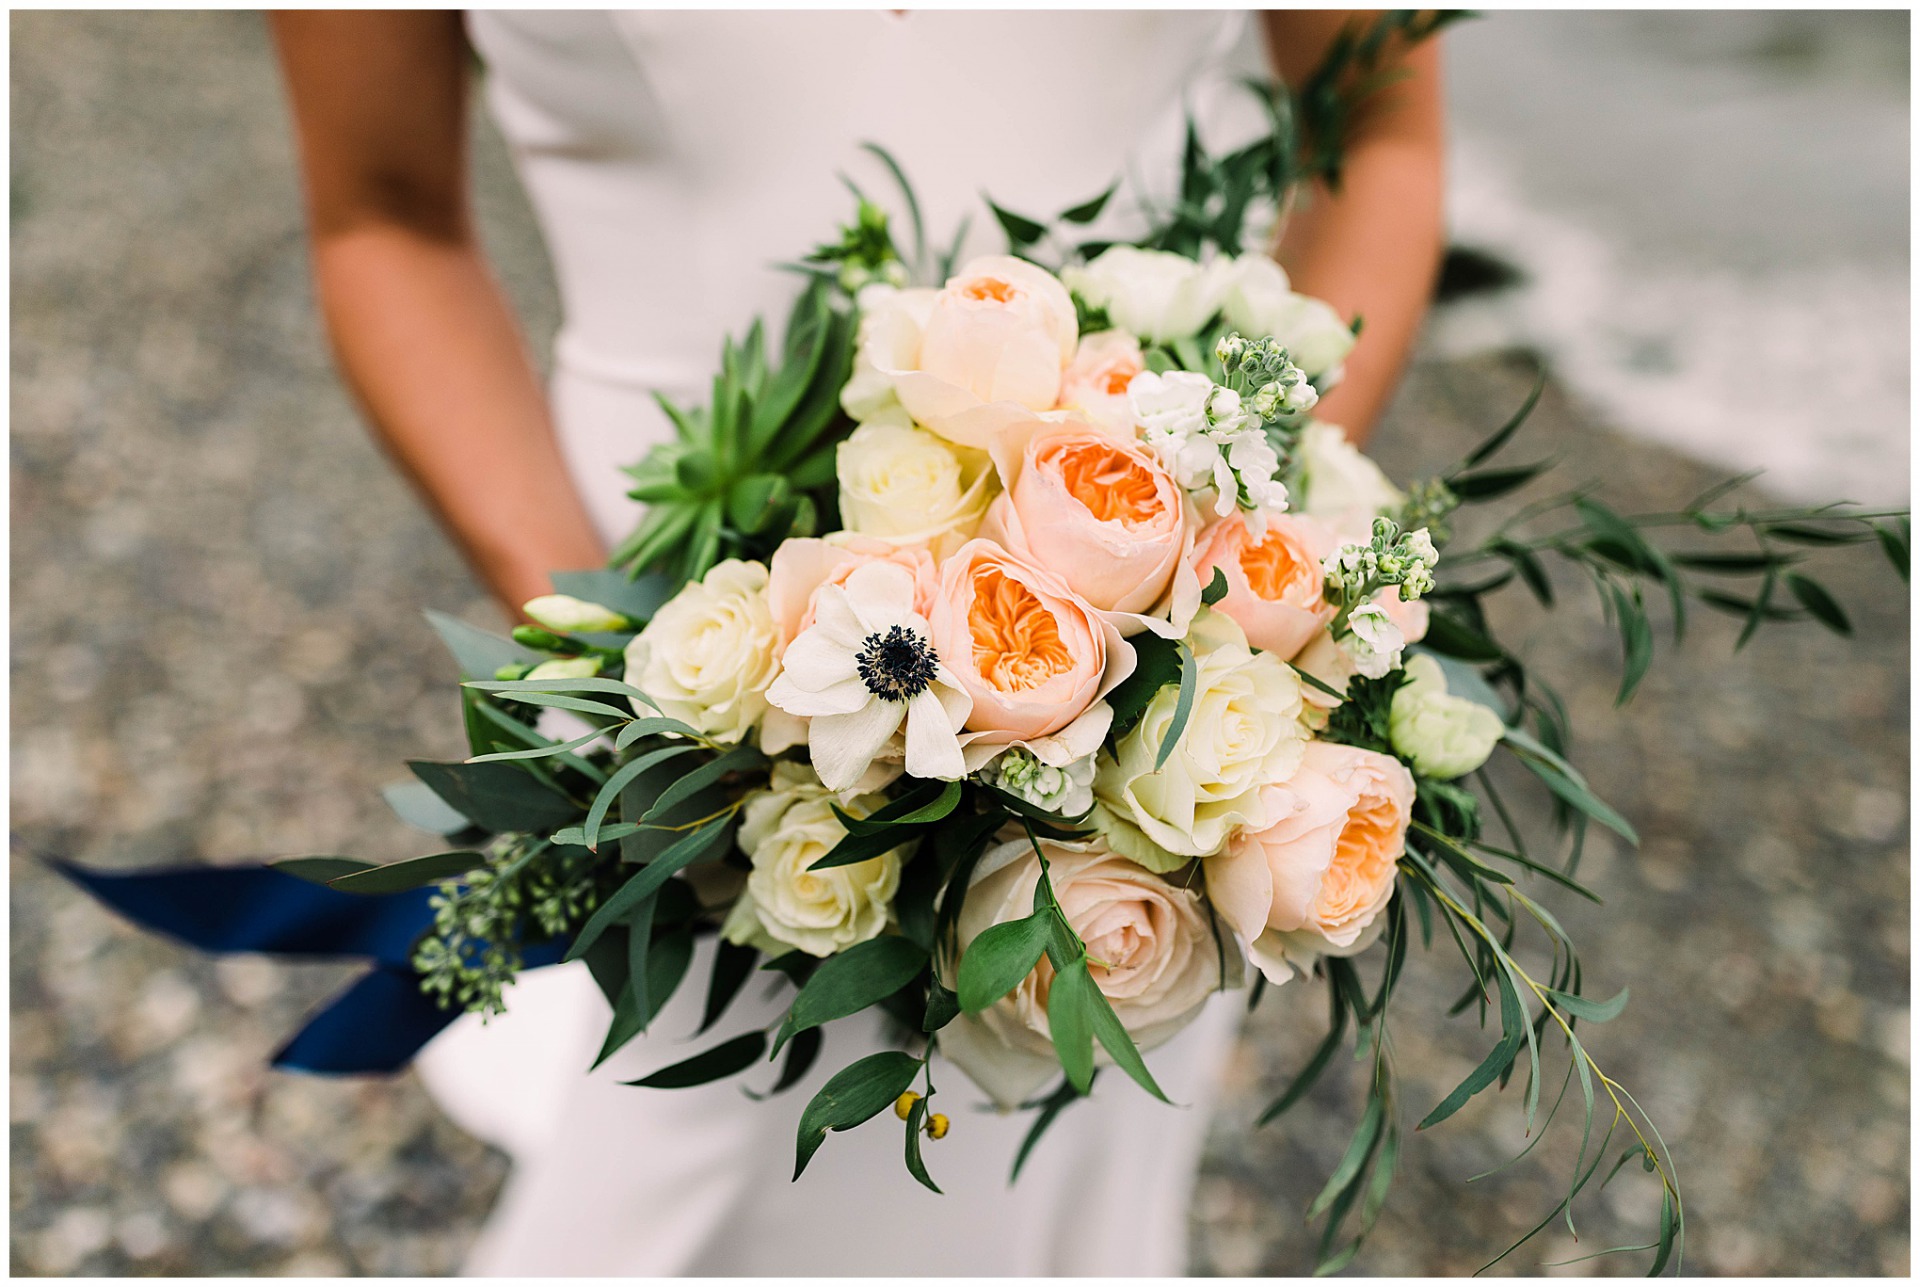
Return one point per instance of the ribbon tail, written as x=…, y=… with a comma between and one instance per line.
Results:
x=253, y=908
x=376, y=1026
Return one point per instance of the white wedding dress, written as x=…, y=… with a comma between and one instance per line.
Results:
x=673, y=160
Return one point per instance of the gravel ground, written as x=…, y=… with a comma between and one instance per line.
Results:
x=204, y=669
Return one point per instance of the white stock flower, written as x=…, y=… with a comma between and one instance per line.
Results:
x=905, y=486
x=1156, y=294
x=1375, y=642
x=1442, y=735
x=787, y=828
x=1067, y=791
x=862, y=669
x=1243, y=735
x=708, y=654
x=567, y=614
x=1208, y=441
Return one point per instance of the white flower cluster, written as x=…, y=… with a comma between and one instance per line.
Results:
x=1209, y=442
x=1067, y=790
x=1355, y=571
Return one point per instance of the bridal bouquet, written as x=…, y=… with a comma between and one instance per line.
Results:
x=1017, y=654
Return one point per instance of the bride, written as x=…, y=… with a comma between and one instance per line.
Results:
x=673, y=159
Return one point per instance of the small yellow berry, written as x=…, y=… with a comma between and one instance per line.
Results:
x=904, y=1105
x=937, y=1126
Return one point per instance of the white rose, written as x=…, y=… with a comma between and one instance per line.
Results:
x=1376, y=641
x=1159, y=962
x=785, y=830
x=1242, y=736
x=905, y=486
x=1156, y=294
x=1258, y=296
x=888, y=342
x=566, y=614
x=708, y=655
x=1259, y=300
x=1339, y=485
x=1443, y=736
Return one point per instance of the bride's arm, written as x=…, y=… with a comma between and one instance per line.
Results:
x=419, y=327
x=1372, y=250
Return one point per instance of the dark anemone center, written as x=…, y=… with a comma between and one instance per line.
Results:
x=898, y=665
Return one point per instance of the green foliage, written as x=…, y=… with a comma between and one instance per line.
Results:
x=856, y=1093
x=1362, y=719
x=527, y=890
x=753, y=467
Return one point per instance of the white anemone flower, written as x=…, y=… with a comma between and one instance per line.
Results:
x=862, y=669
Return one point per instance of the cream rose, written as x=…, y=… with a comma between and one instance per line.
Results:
x=1157, y=963
x=988, y=349
x=1259, y=300
x=1274, y=583
x=1243, y=734
x=887, y=343
x=1339, y=485
x=785, y=830
x=1034, y=657
x=1101, y=513
x=710, y=652
x=1156, y=294
x=1315, y=882
x=1096, y=381
x=1444, y=736
x=905, y=486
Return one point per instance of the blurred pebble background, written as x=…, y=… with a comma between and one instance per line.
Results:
x=218, y=654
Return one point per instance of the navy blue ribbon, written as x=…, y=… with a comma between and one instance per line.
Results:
x=377, y=1024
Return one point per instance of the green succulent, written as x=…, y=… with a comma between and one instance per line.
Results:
x=746, y=472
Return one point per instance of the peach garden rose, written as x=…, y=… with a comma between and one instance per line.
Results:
x=1274, y=583
x=1034, y=657
x=1150, y=949
x=1100, y=512
x=994, y=345
x=1097, y=379
x=1315, y=881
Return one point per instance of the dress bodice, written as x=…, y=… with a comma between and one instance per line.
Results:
x=674, y=159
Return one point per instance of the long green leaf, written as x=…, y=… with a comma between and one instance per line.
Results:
x=410, y=873
x=646, y=882
x=858, y=1092
x=850, y=981
x=724, y=1060
x=1070, y=1020
x=995, y=962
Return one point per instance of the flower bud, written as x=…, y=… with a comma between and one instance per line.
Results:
x=1441, y=735
x=564, y=613
x=903, y=1106
x=566, y=668
x=937, y=1126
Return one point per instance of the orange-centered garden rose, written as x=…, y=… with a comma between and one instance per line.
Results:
x=1031, y=653
x=1315, y=882
x=1274, y=584
x=1098, y=511
x=1096, y=381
